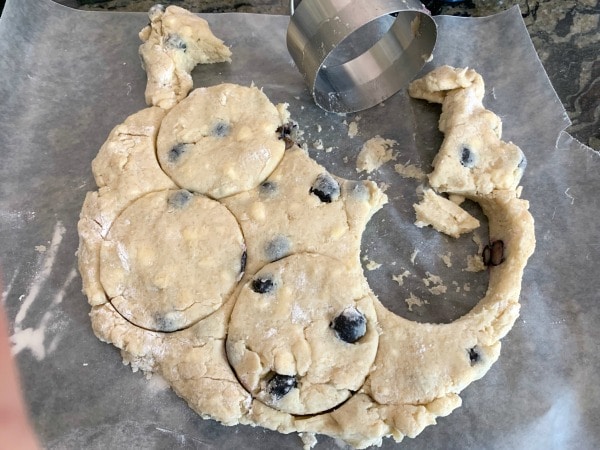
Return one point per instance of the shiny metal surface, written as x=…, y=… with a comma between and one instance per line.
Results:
x=353, y=54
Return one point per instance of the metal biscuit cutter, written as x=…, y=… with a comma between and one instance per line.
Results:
x=354, y=54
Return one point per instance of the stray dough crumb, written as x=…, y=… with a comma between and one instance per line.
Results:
x=40, y=248
x=410, y=171
x=400, y=278
x=352, y=129
x=372, y=265
x=374, y=153
x=318, y=144
x=413, y=300
x=475, y=263
x=308, y=439
x=447, y=259
x=437, y=285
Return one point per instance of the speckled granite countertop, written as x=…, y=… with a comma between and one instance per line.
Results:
x=565, y=33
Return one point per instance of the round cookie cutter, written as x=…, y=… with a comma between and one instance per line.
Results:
x=353, y=54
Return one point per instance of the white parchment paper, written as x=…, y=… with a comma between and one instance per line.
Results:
x=67, y=77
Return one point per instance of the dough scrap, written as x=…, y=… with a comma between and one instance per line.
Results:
x=302, y=227
x=444, y=215
x=173, y=43
x=374, y=153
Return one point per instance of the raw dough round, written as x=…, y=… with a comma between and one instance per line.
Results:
x=221, y=140
x=170, y=259
x=313, y=334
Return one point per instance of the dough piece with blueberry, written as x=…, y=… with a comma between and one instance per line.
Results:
x=313, y=337
x=473, y=159
x=170, y=259
x=175, y=41
x=301, y=207
x=222, y=140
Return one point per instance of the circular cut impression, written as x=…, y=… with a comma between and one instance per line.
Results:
x=302, y=335
x=221, y=140
x=170, y=259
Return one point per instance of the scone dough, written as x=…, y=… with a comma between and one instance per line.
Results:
x=175, y=41
x=285, y=333
x=313, y=338
x=170, y=259
x=221, y=140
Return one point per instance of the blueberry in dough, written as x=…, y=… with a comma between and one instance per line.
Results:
x=176, y=152
x=165, y=324
x=287, y=133
x=277, y=248
x=221, y=129
x=174, y=41
x=268, y=189
x=180, y=198
x=262, y=285
x=243, y=261
x=326, y=188
x=280, y=385
x=493, y=253
x=467, y=158
x=350, y=325
x=474, y=355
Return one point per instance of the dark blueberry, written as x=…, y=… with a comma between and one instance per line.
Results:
x=280, y=385
x=268, y=188
x=474, y=355
x=287, y=132
x=262, y=285
x=243, y=261
x=350, y=325
x=166, y=324
x=326, y=188
x=174, y=41
x=523, y=163
x=176, y=152
x=277, y=248
x=467, y=158
x=493, y=253
x=180, y=198
x=221, y=129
